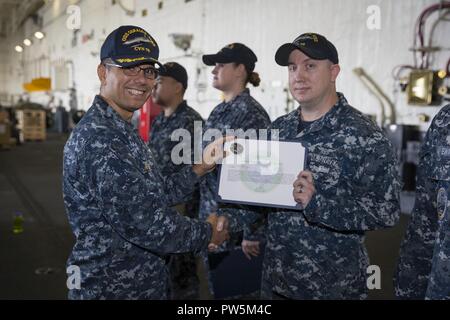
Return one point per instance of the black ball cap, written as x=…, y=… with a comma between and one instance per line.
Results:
x=129, y=46
x=313, y=45
x=175, y=71
x=234, y=52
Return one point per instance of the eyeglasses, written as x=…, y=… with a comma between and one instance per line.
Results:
x=149, y=72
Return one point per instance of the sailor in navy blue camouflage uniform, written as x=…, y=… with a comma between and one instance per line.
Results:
x=423, y=271
x=233, y=69
x=180, y=120
x=350, y=185
x=169, y=91
x=116, y=199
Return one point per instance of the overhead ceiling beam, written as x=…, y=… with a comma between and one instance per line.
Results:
x=13, y=13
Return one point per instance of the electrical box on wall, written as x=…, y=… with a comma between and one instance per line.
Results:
x=426, y=87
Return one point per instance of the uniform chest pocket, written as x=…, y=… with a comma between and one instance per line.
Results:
x=326, y=169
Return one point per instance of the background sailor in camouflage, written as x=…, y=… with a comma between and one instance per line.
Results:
x=169, y=91
x=423, y=270
x=350, y=185
x=116, y=199
x=233, y=69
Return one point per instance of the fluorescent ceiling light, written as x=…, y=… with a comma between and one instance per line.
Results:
x=39, y=35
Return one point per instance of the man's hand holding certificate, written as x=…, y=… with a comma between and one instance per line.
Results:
x=265, y=173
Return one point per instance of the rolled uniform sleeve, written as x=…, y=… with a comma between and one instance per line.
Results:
x=132, y=202
x=367, y=199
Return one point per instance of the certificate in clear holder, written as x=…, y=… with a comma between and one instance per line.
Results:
x=261, y=173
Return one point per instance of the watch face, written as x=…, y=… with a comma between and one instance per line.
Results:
x=441, y=203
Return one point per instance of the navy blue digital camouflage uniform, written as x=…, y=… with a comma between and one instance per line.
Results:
x=319, y=252
x=185, y=283
x=117, y=203
x=423, y=269
x=241, y=114
x=161, y=143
